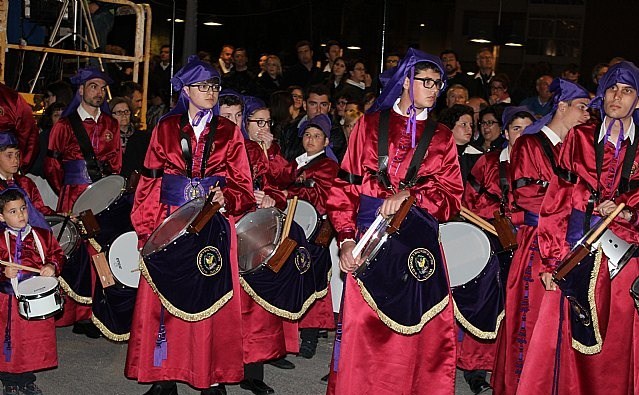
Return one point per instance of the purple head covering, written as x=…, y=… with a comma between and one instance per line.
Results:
x=510, y=112
x=624, y=72
x=193, y=72
x=323, y=123
x=393, y=82
x=36, y=218
x=80, y=78
x=251, y=104
x=562, y=90
x=8, y=137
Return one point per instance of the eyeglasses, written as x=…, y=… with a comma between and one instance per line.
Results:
x=206, y=87
x=465, y=124
x=488, y=123
x=497, y=88
x=122, y=112
x=430, y=83
x=262, y=122
x=300, y=97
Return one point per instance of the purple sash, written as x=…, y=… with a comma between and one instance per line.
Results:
x=178, y=190
x=576, y=226
x=75, y=172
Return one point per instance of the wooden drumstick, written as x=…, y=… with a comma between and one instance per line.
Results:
x=263, y=145
x=477, y=220
x=289, y=218
x=604, y=225
x=21, y=267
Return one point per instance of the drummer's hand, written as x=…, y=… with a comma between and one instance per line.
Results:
x=10, y=272
x=218, y=196
x=546, y=279
x=347, y=263
x=47, y=270
x=393, y=203
x=74, y=218
x=606, y=208
x=266, y=138
x=267, y=202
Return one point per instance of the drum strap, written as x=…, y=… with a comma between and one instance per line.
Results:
x=480, y=189
x=185, y=143
x=504, y=185
x=411, y=178
x=93, y=166
x=349, y=178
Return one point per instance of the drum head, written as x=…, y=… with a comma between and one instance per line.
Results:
x=258, y=233
x=100, y=195
x=173, y=226
x=124, y=259
x=70, y=235
x=37, y=285
x=467, y=250
x=306, y=216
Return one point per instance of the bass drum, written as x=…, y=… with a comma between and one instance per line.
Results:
x=476, y=278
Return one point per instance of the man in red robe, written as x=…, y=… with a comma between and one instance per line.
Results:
x=532, y=158
x=207, y=352
x=586, y=342
x=370, y=357
x=68, y=171
x=16, y=114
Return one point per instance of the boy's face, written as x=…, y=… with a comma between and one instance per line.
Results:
x=15, y=214
x=9, y=162
x=314, y=141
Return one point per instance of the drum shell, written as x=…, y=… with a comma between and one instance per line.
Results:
x=40, y=306
x=73, y=234
x=258, y=234
x=115, y=220
x=113, y=309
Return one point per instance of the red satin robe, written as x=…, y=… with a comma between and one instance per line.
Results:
x=524, y=291
x=373, y=358
x=615, y=369
x=208, y=351
x=33, y=342
x=474, y=353
x=105, y=139
x=16, y=114
x=261, y=170
x=323, y=172
x=34, y=194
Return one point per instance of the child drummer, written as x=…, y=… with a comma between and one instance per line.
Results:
x=28, y=346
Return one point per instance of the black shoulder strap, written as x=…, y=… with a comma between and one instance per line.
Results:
x=418, y=155
x=504, y=185
x=93, y=167
x=545, y=146
x=185, y=144
x=208, y=146
x=624, y=184
x=382, y=149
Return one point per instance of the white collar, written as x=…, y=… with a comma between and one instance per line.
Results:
x=360, y=85
x=504, y=155
x=7, y=179
x=472, y=150
x=478, y=75
x=84, y=114
x=628, y=134
x=420, y=117
x=552, y=136
x=303, y=159
x=223, y=66
x=14, y=232
x=199, y=128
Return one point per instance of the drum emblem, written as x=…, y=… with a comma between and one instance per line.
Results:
x=421, y=264
x=193, y=191
x=303, y=260
x=108, y=136
x=209, y=261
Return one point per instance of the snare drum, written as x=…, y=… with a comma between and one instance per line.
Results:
x=69, y=237
x=39, y=298
x=106, y=199
x=190, y=272
x=124, y=259
x=476, y=279
x=258, y=235
x=306, y=216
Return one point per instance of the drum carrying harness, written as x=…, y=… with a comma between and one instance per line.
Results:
x=185, y=143
x=96, y=169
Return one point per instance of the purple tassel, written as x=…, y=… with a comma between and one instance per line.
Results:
x=6, y=349
x=338, y=342
x=160, y=351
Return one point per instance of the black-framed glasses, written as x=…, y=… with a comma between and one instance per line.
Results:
x=122, y=112
x=206, y=87
x=262, y=122
x=430, y=83
x=487, y=123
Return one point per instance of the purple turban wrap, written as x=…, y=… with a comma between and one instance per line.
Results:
x=251, y=104
x=80, y=78
x=8, y=137
x=509, y=113
x=393, y=81
x=323, y=123
x=624, y=72
x=563, y=90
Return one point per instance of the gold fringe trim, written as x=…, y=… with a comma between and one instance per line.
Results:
x=283, y=313
x=473, y=329
x=191, y=317
x=107, y=333
x=67, y=289
x=397, y=327
x=594, y=318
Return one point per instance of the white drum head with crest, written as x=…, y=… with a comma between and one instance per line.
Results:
x=467, y=251
x=124, y=259
x=173, y=226
x=100, y=195
x=306, y=216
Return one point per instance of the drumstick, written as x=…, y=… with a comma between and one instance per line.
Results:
x=605, y=224
x=21, y=267
x=477, y=220
x=289, y=218
x=64, y=225
x=263, y=145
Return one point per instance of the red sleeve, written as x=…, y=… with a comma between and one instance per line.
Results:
x=52, y=250
x=239, y=184
x=529, y=162
x=34, y=194
x=260, y=170
x=484, y=175
x=323, y=174
x=27, y=133
x=278, y=165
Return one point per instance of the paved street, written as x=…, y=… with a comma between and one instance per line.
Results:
x=90, y=367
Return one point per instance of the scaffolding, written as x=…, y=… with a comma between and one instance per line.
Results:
x=140, y=58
